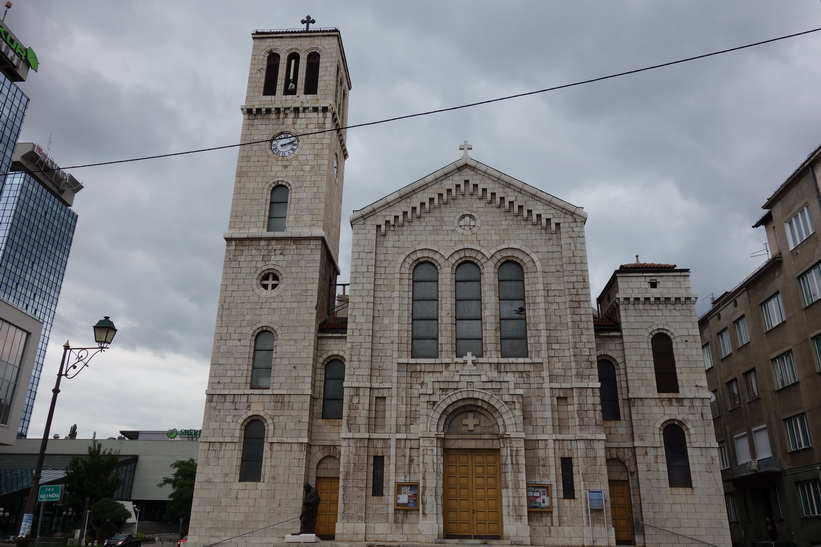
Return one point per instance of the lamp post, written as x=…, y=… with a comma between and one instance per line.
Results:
x=74, y=361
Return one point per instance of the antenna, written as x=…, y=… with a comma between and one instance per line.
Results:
x=762, y=252
x=48, y=146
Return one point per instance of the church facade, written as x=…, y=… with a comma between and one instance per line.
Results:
x=462, y=388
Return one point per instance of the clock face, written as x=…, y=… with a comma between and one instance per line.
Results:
x=284, y=144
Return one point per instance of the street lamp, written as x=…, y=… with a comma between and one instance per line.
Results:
x=74, y=361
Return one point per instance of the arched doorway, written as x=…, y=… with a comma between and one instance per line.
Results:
x=327, y=486
x=472, y=482
x=621, y=504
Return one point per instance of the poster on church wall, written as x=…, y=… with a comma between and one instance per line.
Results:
x=539, y=497
x=407, y=496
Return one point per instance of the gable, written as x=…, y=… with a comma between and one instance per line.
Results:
x=468, y=178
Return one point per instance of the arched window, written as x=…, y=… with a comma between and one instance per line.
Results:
x=263, y=360
x=664, y=363
x=425, y=313
x=675, y=452
x=512, y=313
x=608, y=392
x=468, y=310
x=312, y=74
x=291, y=74
x=278, y=209
x=333, y=392
x=269, y=86
x=253, y=448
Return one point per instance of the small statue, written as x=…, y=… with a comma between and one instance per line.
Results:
x=310, y=506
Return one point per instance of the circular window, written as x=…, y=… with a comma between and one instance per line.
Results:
x=467, y=223
x=269, y=281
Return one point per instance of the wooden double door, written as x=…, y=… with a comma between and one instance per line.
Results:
x=472, y=503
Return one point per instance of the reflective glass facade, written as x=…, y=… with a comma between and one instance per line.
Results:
x=13, y=104
x=36, y=230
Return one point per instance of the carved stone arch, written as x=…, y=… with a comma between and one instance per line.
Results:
x=423, y=254
x=463, y=399
x=321, y=452
x=617, y=470
x=528, y=261
x=328, y=467
x=625, y=456
x=665, y=420
x=278, y=182
x=468, y=253
x=249, y=416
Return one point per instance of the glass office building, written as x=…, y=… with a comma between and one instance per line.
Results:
x=13, y=105
x=36, y=231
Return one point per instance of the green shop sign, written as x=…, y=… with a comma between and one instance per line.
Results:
x=187, y=433
x=25, y=53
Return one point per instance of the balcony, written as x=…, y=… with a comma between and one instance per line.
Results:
x=758, y=467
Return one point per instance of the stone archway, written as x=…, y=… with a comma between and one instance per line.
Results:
x=472, y=478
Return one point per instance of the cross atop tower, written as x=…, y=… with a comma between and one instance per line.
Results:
x=308, y=22
x=465, y=147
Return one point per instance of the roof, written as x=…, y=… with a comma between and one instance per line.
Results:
x=814, y=156
x=518, y=191
x=647, y=266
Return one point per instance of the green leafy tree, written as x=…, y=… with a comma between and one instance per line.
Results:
x=182, y=489
x=92, y=476
x=107, y=517
x=72, y=433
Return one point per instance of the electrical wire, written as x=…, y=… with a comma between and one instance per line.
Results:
x=452, y=108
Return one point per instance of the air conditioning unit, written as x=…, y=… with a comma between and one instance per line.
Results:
x=752, y=465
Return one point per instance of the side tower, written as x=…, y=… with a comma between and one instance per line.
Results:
x=662, y=459
x=278, y=285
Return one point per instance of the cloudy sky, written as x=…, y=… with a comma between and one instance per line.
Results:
x=671, y=164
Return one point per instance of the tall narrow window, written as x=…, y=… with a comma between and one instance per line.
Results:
x=512, y=315
x=269, y=86
x=253, y=448
x=468, y=310
x=263, y=360
x=810, y=283
x=708, y=356
x=751, y=380
x=773, y=311
x=784, y=370
x=723, y=457
x=278, y=209
x=664, y=363
x=799, y=227
x=291, y=74
x=724, y=347
x=378, y=476
x=798, y=432
x=675, y=452
x=761, y=442
x=334, y=390
x=741, y=332
x=312, y=74
x=816, y=343
x=809, y=492
x=568, y=488
x=608, y=393
x=425, y=313
x=742, y=448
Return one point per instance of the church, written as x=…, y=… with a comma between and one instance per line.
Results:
x=461, y=388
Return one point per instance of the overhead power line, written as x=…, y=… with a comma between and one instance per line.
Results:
x=460, y=107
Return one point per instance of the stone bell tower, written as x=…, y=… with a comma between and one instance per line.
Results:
x=278, y=283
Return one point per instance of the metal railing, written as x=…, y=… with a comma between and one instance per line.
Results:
x=676, y=533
